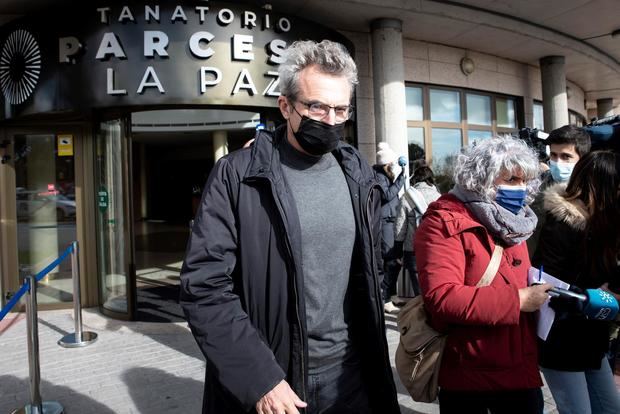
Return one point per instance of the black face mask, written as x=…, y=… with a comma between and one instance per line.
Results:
x=316, y=137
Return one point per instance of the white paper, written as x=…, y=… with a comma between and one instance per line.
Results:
x=545, y=315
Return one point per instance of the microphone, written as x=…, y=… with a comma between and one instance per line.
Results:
x=597, y=304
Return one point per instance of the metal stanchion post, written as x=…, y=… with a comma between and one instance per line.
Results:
x=36, y=406
x=78, y=338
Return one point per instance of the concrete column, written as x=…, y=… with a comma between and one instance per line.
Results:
x=604, y=107
x=389, y=84
x=555, y=101
x=220, y=144
x=144, y=195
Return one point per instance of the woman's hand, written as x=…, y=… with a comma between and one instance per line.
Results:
x=531, y=298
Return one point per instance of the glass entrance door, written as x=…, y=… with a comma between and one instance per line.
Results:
x=114, y=250
x=45, y=209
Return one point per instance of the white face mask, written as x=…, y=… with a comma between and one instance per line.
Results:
x=561, y=171
x=394, y=169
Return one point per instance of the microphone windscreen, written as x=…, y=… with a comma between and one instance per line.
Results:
x=601, y=305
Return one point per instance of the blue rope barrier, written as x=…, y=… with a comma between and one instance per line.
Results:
x=55, y=263
x=22, y=290
x=25, y=287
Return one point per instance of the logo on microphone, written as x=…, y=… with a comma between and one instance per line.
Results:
x=603, y=314
x=606, y=297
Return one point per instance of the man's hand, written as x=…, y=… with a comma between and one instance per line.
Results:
x=280, y=400
x=531, y=298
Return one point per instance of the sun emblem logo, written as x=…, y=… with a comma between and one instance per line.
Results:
x=20, y=66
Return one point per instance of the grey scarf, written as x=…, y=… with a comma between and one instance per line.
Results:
x=511, y=228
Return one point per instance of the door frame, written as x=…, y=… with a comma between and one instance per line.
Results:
x=9, y=265
x=128, y=231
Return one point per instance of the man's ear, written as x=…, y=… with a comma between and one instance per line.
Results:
x=285, y=107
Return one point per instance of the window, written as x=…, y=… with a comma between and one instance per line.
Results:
x=478, y=109
x=440, y=121
x=575, y=118
x=475, y=135
x=415, y=144
x=539, y=120
x=445, y=106
x=446, y=144
x=505, y=109
x=414, y=104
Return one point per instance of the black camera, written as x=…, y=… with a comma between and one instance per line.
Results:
x=605, y=133
x=536, y=139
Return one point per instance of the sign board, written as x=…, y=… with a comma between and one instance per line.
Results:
x=99, y=55
x=65, y=145
x=103, y=200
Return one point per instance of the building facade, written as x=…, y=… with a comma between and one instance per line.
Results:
x=114, y=113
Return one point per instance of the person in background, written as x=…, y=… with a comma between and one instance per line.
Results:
x=579, y=245
x=391, y=178
x=490, y=359
x=413, y=205
x=280, y=283
x=567, y=145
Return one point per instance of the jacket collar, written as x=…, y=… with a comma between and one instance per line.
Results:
x=265, y=159
x=456, y=217
x=572, y=212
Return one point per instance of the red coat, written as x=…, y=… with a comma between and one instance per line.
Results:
x=491, y=345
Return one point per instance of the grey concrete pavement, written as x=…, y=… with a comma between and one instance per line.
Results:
x=134, y=367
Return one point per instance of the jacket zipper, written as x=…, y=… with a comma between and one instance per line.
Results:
x=292, y=258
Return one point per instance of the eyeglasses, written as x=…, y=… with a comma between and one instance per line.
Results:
x=321, y=110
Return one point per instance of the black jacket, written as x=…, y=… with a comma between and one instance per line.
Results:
x=242, y=281
x=389, y=211
x=389, y=192
x=574, y=342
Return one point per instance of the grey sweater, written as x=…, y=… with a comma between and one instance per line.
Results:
x=327, y=227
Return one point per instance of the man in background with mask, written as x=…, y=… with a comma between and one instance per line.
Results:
x=280, y=284
x=567, y=145
x=391, y=178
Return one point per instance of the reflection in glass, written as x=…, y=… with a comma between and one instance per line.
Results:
x=415, y=139
x=478, y=109
x=446, y=145
x=111, y=217
x=45, y=203
x=445, y=106
x=477, y=136
x=505, y=109
x=414, y=104
x=539, y=117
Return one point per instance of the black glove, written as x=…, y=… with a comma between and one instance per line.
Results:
x=565, y=306
x=397, y=250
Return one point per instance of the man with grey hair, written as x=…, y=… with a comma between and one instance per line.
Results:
x=280, y=284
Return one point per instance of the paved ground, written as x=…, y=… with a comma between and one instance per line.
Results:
x=134, y=367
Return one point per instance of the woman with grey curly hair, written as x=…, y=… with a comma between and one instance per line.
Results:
x=484, y=179
x=490, y=357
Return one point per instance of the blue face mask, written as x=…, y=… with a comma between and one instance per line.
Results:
x=511, y=197
x=561, y=171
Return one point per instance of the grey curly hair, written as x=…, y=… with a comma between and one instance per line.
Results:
x=331, y=57
x=478, y=165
